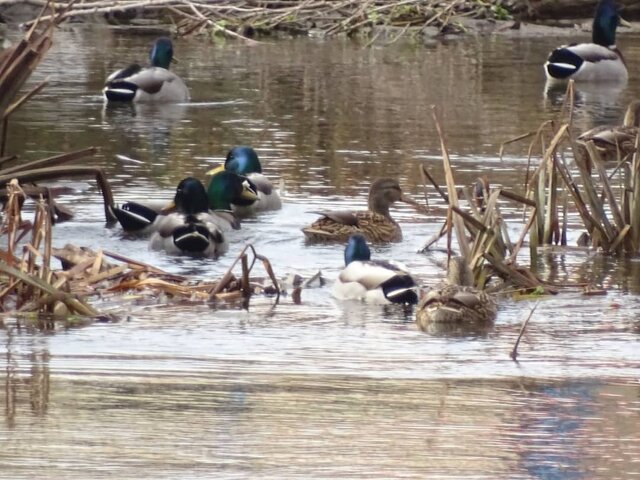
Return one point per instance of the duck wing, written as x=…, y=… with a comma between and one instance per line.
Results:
x=344, y=217
x=129, y=71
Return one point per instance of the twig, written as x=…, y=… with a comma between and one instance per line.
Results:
x=514, y=352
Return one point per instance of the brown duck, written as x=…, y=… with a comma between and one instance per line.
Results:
x=375, y=224
x=612, y=142
x=457, y=302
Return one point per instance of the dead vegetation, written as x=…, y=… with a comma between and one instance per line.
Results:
x=29, y=283
x=607, y=201
x=481, y=232
x=247, y=18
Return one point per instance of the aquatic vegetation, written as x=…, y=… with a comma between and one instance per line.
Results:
x=610, y=215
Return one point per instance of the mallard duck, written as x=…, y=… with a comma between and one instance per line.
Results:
x=244, y=161
x=224, y=189
x=457, y=302
x=373, y=281
x=596, y=61
x=153, y=84
x=191, y=228
x=614, y=143
x=375, y=224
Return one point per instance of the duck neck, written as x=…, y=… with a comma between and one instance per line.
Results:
x=459, y=272
x=605, y=23
x=379, y=205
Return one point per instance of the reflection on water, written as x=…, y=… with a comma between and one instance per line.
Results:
x=321, y=389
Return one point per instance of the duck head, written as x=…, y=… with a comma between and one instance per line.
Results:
x=605, y=22
x=383, y=192
x=227, y=188
x=191, y=197
x=161, y=53
x=356, y=249
x=242, y=160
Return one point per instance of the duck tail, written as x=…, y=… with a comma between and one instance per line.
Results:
x=401, y=289
x=120, y=91
x=192, y=238
x=563, y=63
x=134, y=217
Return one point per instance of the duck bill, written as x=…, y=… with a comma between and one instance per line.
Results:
x=168, y=208
x=624, y=23
x=174, y=60
x=215, y=170
x=418, y=206
x=249, y=194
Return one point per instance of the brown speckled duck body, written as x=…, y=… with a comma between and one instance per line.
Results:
x=375, y=224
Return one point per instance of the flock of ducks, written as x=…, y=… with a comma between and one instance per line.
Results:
x=199, y=219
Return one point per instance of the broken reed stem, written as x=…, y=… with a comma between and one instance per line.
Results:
x=457, y=222
x=514, y=352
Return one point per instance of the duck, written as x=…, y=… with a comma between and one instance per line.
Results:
x=614, y=143
x=225, y=188
x=598, y=61
x=373, y=281
x=154, y=84
x=244, y=160
x=457, y=302
x=375, y=224
x=192, y=228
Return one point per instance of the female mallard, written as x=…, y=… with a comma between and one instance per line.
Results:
x=225, y=188
x=596, y=61
x=375, y=224
x=373, y=281
x=457, y=302
x=614, y=143
x=153, y=84
x=244, y=161
x=191, y=228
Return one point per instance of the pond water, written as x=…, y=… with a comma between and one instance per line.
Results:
x=322, y=389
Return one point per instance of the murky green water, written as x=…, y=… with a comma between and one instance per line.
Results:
x=322, y=389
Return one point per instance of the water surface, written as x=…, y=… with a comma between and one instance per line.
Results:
x=322, y=389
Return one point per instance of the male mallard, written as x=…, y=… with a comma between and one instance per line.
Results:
x=192, y=228
x=614, y=143
x=153, y=84
x=225, y=188
x=244, y=161
x=596, y=61
x=457, y=302
x=375, y=224
x=373, y=281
